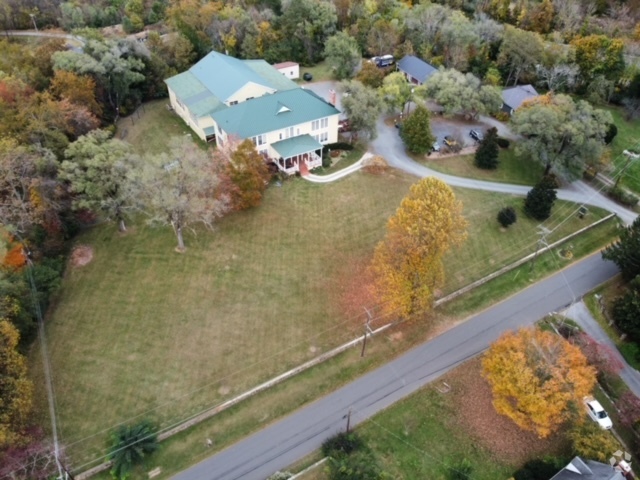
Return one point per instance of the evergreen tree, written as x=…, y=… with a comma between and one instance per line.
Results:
x=487, y=153
x=540, y=199
x=416, y=131
x=626, y=251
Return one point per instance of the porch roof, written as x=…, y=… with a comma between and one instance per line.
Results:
x=209, y=130
x=296, y=145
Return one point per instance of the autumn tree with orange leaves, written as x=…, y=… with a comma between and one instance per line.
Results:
x=536, y=377
x=407, y=264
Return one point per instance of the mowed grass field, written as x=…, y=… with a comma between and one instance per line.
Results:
x=144, y=332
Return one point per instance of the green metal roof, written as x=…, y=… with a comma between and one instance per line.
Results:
x=194, y=94
x=266, y=114
x=223, y=75
x=296, y=146
x=273, y=76
x=209, y=130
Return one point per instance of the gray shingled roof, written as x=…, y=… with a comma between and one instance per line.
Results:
x=578, y=469
x=418, y=69
x=513, y=97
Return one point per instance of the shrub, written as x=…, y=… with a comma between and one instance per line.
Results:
x=540, y=468
x=503, y=142
x=626, y=314
x=590, y=442
x=461, y=470
x=337, y=146
x=502, y=116
x=623, y=197
x=612, y=131
x=342, y=443
x=326, y=161
x=507, y=216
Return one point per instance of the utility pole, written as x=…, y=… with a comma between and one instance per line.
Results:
x=33, y=19
x=367, y=329
x=543, y=232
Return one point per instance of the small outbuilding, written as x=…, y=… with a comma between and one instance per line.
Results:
x=415, y=70
x=513, y=97
x=291, y=70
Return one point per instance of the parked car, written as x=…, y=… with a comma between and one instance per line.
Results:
x=307, y=76
x=476, y=135
x=597, y=413
x=449, y=141
x=435, y=147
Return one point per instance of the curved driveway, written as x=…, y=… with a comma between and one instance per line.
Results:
x=390, y=146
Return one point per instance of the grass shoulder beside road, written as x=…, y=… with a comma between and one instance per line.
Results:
x=512, y=169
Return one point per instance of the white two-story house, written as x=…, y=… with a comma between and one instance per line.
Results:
x=221, y=96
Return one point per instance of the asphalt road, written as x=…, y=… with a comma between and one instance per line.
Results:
x=281, y=444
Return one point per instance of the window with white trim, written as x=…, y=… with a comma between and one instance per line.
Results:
x=259, y=140
x=318, y=124
x=324, y=137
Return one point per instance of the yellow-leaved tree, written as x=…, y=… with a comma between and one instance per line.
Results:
x=16, y=389
x=536, y=377
x=407, y=263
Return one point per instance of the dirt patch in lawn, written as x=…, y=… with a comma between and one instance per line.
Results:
x=81, y=255
x=472, y=397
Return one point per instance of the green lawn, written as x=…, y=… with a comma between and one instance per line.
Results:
x=628, y=138
x=321, y=72
x=145, y=331
x=150, y=128
x=512, y=169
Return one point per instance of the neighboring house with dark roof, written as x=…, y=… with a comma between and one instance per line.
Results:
x=415, y=70
x=288, y=69
x=579, y=469
x=221, y=96
x=513, y=97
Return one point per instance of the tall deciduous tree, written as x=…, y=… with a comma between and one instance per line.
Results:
x=561, y=134
x=248, y=172
x=520, y=52
x=17, y=390
x=625, y=252
x=96, y=167
x=25, y=189
x=396, y=92
x=114, y=65
x=362, y=106
x=78, y=89
x=487, y=153
x=179, y=188
x=304, y=28
x=461, y=93
x=599, y=55
x=342, y=54
x=383, y=37
x=416, y=131
x=536, y=377
x=370, y=75
x=407, y=264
